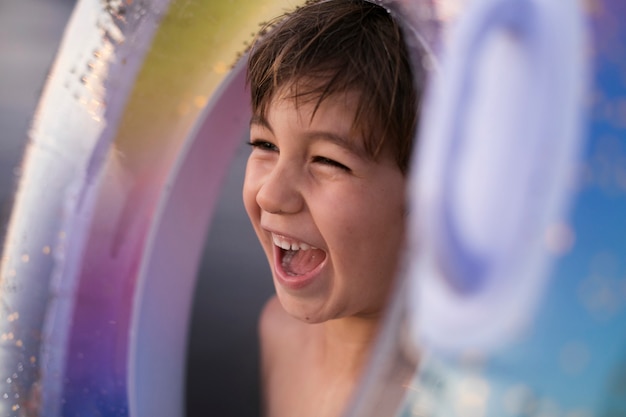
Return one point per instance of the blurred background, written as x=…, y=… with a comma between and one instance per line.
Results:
x=30, y=32
x=233, y=279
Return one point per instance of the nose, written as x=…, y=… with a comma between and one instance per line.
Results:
x=279, y=192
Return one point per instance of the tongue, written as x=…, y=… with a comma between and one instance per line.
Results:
x=300, y=262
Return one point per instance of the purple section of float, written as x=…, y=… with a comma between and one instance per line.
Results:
x=29, y=34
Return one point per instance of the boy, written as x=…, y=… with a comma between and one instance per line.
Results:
x=334, y=115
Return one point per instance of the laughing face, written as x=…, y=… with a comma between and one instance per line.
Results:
x=329, y=216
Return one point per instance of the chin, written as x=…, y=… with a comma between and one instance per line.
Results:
x=303, y=310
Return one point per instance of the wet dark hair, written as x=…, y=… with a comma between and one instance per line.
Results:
x=339, y=46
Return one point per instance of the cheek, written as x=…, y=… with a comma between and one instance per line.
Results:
x=375, y=231
x=366, y=224
x=375, y=214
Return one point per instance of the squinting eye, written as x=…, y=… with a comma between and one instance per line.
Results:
x=263, y=145
x=330, y=162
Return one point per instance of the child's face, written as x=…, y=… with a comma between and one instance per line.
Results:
x=310, y=186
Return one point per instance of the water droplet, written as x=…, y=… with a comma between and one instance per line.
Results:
x=5, y=396
x=9, y=380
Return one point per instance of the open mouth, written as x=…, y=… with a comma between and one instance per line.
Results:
x=297, y=258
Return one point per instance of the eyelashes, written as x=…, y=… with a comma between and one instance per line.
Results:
x=266, y=146
x=330, y=162
x=263, y=145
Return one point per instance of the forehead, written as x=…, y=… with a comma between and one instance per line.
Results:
x=360, y=112
x=334, y=116
x=320, y=93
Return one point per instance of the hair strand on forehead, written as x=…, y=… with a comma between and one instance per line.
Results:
x=325, y=48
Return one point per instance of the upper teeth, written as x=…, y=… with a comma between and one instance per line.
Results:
x=288, y=244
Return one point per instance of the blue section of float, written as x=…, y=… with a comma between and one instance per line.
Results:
x=576, y=353
x=571, y=360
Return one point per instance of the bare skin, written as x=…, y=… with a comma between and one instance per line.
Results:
x=330, y=219
x=311, y=369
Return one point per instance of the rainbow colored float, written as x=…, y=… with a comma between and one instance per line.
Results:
x=513, y=299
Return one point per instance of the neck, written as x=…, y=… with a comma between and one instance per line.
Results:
x=346, y=343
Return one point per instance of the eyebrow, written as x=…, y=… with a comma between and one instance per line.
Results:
x=261, y=121
x=339, y=140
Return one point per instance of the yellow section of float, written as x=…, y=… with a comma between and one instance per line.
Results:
x=194, y=49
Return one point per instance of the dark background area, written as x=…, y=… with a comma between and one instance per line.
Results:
x=233, y=278
x=233, y=283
